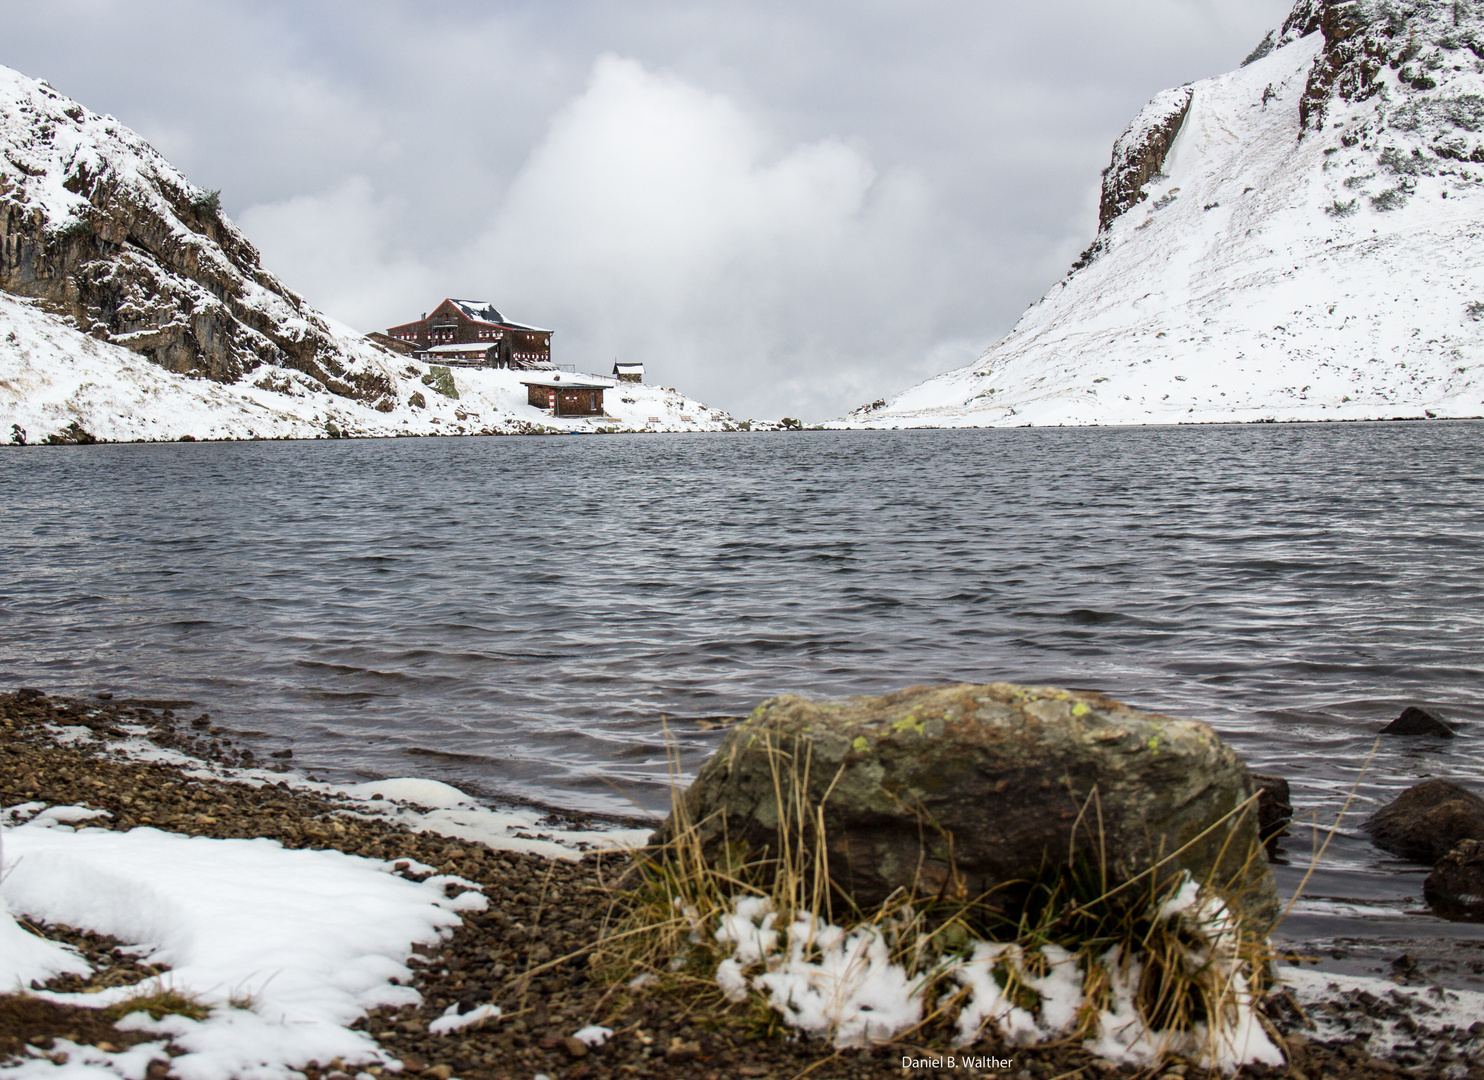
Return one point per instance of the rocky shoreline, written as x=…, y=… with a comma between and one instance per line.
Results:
x=525, y=952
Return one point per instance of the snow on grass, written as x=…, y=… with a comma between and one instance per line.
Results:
x=287, y=947
x=844, y=985
x=1265, y=277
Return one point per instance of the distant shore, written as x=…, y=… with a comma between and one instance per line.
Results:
x=756, y=428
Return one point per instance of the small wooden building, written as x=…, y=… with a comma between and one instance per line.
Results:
x=566, y=395
x=625, y=372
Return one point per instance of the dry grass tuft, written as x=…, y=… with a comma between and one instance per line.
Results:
x=159, y=1004
x=1172, y=945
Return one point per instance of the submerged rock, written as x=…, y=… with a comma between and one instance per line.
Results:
x=1418, y=720
x=1427, y=820
x=1274, y=811
x=961, y=790
x=1455, y=888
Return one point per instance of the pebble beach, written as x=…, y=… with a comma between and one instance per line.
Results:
x=521, y=962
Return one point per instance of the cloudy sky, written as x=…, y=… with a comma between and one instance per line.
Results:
x=784, y=207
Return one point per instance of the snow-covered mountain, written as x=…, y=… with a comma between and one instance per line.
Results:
x=1300, y=239
x=131, y=308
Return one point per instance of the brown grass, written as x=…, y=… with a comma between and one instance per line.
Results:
x=1192, y=969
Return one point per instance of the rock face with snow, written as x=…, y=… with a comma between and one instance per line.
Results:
x=131, y=308
x=967, y=789
x=97, y=224
x=1295, y=240
x=1140, y=152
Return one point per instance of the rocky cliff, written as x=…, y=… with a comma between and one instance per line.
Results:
x=1297, y=239
x=102, y=229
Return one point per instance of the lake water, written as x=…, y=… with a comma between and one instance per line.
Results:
x=527, y=617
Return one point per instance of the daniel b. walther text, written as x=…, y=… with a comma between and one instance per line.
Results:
x=957, y=1063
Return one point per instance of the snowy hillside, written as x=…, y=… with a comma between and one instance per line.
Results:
x=1310, y=246
x=52, y=376
x=130, y=308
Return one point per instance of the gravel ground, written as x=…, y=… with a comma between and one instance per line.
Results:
x=512, y=954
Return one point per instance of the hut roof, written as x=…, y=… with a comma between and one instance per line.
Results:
x=570, y=382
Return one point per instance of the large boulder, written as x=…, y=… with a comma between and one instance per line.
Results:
x=1455, y=888
x=1427, y=820
x=960, y=790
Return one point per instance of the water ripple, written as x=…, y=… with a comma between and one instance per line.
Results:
x=529, y=617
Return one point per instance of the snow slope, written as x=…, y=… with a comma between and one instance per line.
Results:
x=131, y=308
x=1273, y=270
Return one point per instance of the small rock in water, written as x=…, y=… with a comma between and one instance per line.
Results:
x=1455, y=888
x=1427, y=820
x=1419, y=720
x=1274, y=811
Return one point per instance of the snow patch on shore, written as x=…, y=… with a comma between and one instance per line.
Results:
x=432, y=806
x=1417, y=1015
x=420, y=804
x=287, y=947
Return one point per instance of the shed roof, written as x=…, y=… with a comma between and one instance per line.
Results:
x=568, y=382
x=630, y=368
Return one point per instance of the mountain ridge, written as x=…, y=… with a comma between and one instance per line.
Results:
x=1293, y=240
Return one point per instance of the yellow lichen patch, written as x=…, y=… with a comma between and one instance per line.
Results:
x=1080, y=709
x=860, y=745
x=909, y=723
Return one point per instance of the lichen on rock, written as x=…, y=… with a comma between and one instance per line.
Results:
x=962, y=791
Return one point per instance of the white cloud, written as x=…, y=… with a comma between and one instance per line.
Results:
x=660, y=222
x=335, y=249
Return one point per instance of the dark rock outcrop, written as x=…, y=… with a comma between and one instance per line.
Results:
x=1140, y=153
x=1426, y=821
x=1455, y=888
x=961, y=790
x=103, y=230
x=1354, y=55
x=1419, y=720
